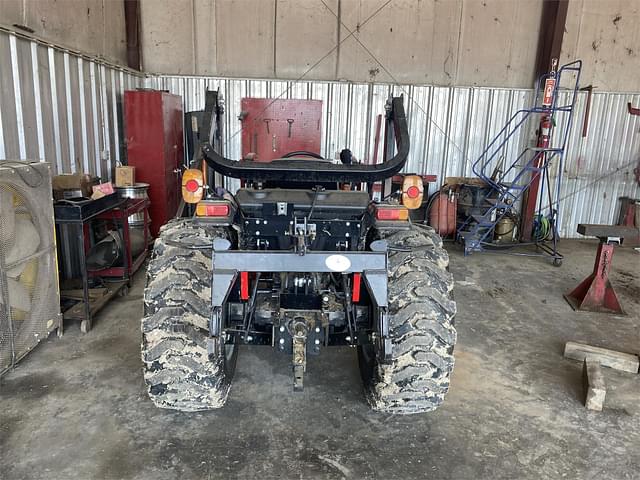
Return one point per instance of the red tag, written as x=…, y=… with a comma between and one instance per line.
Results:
x=355, y=295
x=549, y=87
x=244, y=285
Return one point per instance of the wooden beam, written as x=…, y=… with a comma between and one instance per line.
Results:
x=594, y=386
x=132, y=26
x=552, y=27
x=607, y=358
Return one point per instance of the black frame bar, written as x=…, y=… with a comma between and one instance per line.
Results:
x=297, y=170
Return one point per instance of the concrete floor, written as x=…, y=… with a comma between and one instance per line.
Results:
x=76, y=407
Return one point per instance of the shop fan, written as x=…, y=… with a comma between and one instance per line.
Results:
x=29, y=292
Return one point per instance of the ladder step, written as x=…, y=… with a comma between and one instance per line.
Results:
x=511, y=186
x=496, y=202
x=472, y=245
x=501, y=204
x=482, y=220
x=528, y=167
x=563, y=108
x=469, y=235
x=544, y=149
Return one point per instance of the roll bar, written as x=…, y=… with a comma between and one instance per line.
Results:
x=297, y=170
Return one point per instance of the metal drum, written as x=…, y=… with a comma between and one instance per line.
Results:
x=139, y=190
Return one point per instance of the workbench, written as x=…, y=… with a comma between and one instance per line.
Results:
x=79, y=214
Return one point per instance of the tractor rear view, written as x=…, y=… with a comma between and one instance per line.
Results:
x=299, y=260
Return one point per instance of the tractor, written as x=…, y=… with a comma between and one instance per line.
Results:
x=300, y=258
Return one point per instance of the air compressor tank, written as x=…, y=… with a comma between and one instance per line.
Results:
x=442, y=214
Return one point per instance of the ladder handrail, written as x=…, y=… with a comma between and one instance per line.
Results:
x=551, y=110
x=574, y=96
x=497, y=137
x=547, y=158
x=521, y=174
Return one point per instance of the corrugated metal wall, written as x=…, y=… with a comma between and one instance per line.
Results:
x=60, y=107
x=599, y=168
x=64, y=108
x=449, y=129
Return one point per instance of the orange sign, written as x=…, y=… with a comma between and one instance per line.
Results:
x=549, y=87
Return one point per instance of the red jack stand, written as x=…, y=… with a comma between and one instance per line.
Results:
x=595, y=293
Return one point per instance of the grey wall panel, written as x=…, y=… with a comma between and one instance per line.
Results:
x=453, y=42
x=599, y=168
x=93, y=26
x=450, y=127
x=604, y=34
x=484, y=43
x=61, y=107
x=7, y=101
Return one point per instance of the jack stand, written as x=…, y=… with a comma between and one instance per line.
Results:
x=595, y=293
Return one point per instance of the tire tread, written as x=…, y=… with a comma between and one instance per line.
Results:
x=421, y=316
x=177, y=370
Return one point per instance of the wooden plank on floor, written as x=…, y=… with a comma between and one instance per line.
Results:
x=607, y=358
x=78, y=294
x=95, y=303
x=594, y=386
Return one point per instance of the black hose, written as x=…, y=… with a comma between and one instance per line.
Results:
x=303, y=153
x=313, y=202
x=430, y=202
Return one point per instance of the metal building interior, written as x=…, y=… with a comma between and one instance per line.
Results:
x=319, y=239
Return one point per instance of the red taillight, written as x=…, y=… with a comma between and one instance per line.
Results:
x=192, y=185
x=217, y=210
x=391, y=214
x=244, y=285
x=413, y=192
x=355, y=295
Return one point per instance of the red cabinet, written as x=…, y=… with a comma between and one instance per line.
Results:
x=153, y=128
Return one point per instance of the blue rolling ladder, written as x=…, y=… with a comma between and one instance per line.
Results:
x=506, y=189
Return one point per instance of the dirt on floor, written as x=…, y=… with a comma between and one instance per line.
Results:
x=76, y=407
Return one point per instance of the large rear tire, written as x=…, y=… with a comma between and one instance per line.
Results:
x=421, y=318
x=177, y=369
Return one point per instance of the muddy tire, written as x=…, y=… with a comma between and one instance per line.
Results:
x=177, y=369
x=421, y=316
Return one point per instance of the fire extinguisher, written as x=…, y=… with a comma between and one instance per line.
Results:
x=544, y=135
